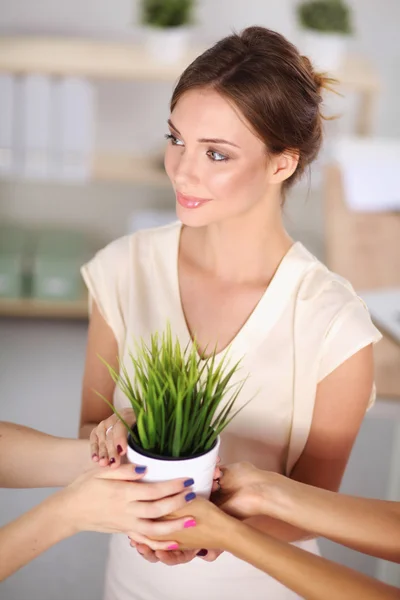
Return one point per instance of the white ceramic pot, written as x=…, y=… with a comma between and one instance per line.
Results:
x=167, y=46
x=327, y=51
x=201, y=468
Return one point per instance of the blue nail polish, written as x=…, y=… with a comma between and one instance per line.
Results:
x=139, y=470
x=189, y=482
x=190, y=496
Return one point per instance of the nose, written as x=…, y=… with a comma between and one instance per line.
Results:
x=186, y=171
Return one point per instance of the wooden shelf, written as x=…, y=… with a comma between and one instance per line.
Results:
x=32, y=308
x=85, y=57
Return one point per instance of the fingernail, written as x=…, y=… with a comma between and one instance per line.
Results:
x=202, y=553
x=94, y=456
x=112, y=461
x=139, y=469
x=119, y=449
x=190, y=523
x=188, y=482
x=173, y=547
x=190, y=496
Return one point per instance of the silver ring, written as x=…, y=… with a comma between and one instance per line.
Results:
x=109, y=429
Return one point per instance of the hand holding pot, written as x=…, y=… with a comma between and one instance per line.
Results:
x=113, y=501
x=247, y=491
x=108, y=441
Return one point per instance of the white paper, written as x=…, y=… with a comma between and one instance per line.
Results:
x=370, y=169
x=35, y=117
x=6, y=123
x=73, y=129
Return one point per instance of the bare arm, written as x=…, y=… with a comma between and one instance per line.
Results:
x=309, y=576
x=101, y=341
x=91, y=503
x=340, y=406
x=35, y=459
x=369, y=526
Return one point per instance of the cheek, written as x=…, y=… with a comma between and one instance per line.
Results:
x=171, y=159
x=236, y=183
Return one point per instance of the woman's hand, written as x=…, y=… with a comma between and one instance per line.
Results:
x=112, y=501
x=211, y=532
x=243, y=488
x=109, y=440
x=247, y=491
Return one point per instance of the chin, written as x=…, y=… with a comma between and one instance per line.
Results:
x=193, y=217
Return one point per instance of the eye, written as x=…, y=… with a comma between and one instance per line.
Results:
x=217, y=156
x=174, y=140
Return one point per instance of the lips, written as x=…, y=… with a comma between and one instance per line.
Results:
x=190, y=201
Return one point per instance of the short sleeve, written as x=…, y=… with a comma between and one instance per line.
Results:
x=351, y=330
x=106, y=279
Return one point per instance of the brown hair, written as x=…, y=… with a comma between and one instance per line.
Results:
x=274, y=87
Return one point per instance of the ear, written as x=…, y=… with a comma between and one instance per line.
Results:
x=283, y=166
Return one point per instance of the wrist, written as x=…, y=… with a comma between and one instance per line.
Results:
x=278, y=498
x=63, y=513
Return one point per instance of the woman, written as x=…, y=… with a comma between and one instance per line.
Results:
x=99, y=500
x=245, y=124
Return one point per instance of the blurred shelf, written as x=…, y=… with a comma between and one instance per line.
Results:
x=85, y=57
x=130, y=169
x=32, y=308
x=113, y=168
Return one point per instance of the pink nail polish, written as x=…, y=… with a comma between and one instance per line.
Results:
x=173, y=547
x=190, y=523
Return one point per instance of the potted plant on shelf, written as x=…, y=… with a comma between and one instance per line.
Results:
x=167, y=28
x=182, y=403
x=326, y=26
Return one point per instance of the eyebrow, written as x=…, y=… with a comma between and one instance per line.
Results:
x=204, y=140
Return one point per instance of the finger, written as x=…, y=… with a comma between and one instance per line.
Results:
x=141, y=540
x=120, y=438
x=155, y=529
x=211, y=555
x=123, y=472
x=113, y=456
x=155, y=491
x=101, y=436
x=216, y=486
x=94, y=446
x=147, y=553
x=218, y=473
x=164, y=507
x=175, y=557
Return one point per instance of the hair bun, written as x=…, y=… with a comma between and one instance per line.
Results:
x=321, y=80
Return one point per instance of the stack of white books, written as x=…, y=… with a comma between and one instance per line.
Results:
x=46, y=127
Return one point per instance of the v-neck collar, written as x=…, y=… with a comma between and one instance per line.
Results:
x=267, y=311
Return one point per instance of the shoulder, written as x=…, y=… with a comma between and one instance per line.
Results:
x=329, y=307
x=136, y=246
x=326, y=291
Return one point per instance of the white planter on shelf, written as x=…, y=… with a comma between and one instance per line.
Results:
x=167, y=45
x=327, y=51
x=201, y=468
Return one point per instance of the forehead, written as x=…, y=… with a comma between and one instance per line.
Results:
x=205, y=113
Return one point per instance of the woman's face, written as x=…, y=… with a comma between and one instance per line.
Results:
x=218, y=167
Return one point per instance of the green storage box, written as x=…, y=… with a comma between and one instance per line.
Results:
x=12, y=261
x=57, y=260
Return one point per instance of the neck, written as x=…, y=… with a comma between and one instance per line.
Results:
x=245, y=249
